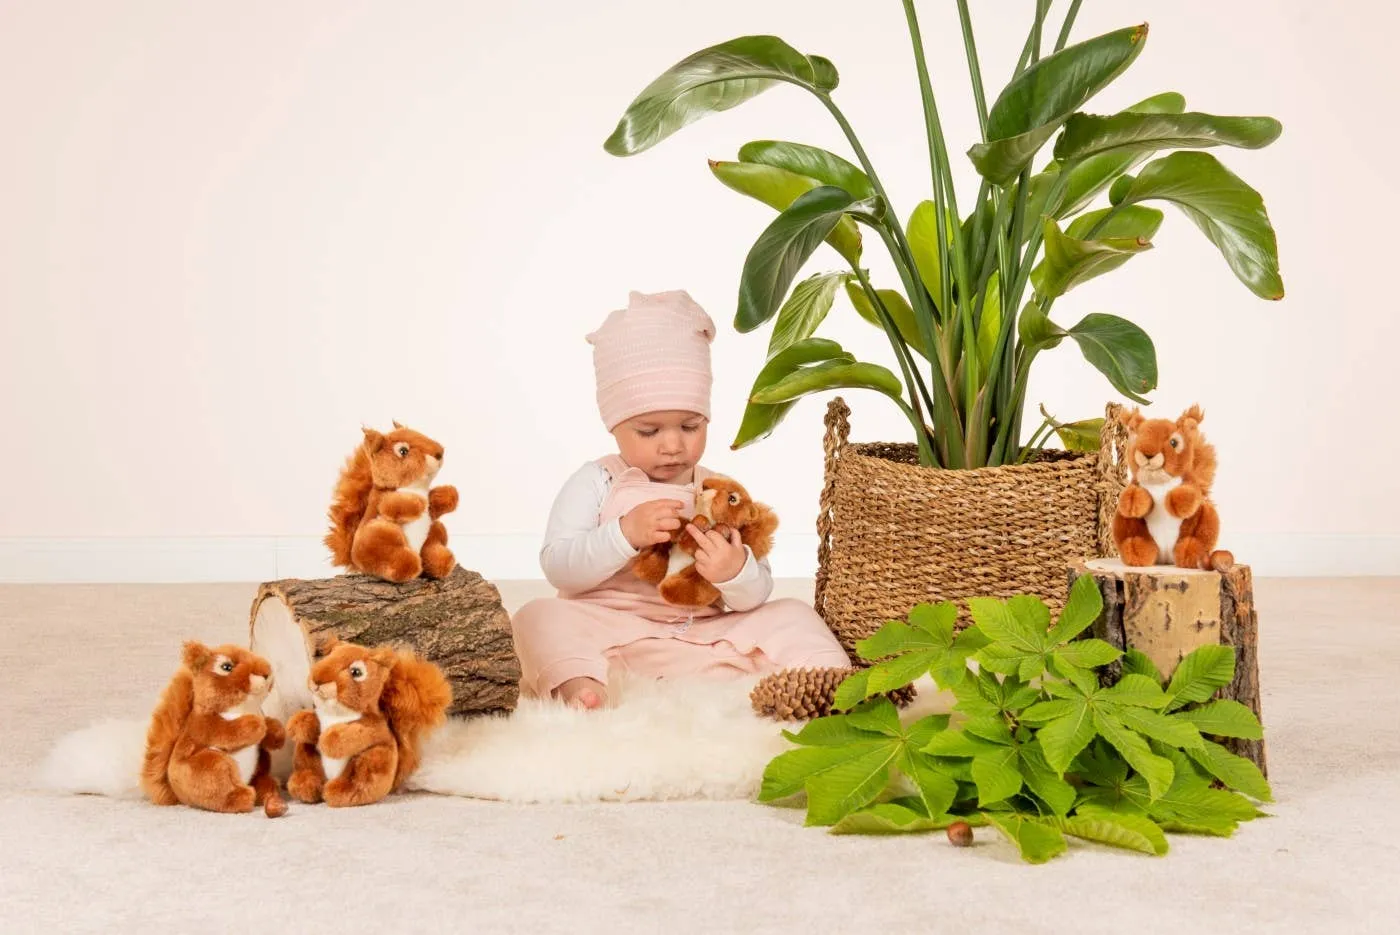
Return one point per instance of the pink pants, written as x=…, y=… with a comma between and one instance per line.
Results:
x=558, y=639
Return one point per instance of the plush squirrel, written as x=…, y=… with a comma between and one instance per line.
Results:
x=208, y=742
x=1165, y=515
x=362, y=740
x=384, y=520
x=722, y=503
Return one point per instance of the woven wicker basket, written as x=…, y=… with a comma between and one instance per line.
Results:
x=894, y=534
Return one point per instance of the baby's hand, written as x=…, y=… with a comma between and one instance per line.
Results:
x=651, y=523
x=719, y=554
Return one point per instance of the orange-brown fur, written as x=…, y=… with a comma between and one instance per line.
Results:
x=731, y=508
x=1165, y=448
x=399, y=697
x=368, y=512
x=189, y=742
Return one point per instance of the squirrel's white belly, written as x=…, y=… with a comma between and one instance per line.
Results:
x=246, y=759
x=1161, y=525
x=331, y=713
x=416, y=530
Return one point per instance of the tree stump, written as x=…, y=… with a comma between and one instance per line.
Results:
x=1165, y=612
x=457, y=622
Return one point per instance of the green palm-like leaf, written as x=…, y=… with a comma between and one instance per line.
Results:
x=1083, y=607
x=898, y=307
x=1036, y=841
x=1222, y=205
x=1040, y=99
x=831, y=375
x=707, y=82
x=809, y=161
x=1235, y=771
x=1121, y=351
x=804, y=311
x=778, y=189
x=890, y=818
x=784, y=246
x=1069, y=262
x=1223, y=718
x=1203, y=672
x=1158, y=771
x=1087, y=135
x=1133, y=221
x=760, y=419
x=1132, y=832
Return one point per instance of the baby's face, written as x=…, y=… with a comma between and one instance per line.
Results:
x=667, y=445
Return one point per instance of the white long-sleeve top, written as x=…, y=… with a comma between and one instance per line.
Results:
x=579, y=554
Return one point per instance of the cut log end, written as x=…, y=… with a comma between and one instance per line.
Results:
x=1166, y=612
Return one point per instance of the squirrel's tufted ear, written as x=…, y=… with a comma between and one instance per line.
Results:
x=397, y=426
x=373, y=440
x=326, y=644
x=1131, y=418
x=1191, y=418
x=196, y=655
x=385, y=656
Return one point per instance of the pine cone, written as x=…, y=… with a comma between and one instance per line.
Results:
x=803, y=694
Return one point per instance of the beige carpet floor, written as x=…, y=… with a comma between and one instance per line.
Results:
x=1329, y=861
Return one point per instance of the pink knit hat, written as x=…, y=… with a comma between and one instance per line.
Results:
x=652, y=356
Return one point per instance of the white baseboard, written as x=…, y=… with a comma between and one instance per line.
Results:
x=514, y=557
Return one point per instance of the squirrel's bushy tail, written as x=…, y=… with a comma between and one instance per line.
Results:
x=176, y=703
x=348, y=508
x=415, y=699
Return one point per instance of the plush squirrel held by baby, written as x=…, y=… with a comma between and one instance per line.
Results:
x=385, y=518
x=722, y=503
x=1165, y=514
x=362, y=740
x=208, y=742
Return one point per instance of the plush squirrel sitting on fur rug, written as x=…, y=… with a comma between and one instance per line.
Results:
x=721, y=504
x=384, y=520
x=208, y=742
x=362, y=740
x=1165, y=515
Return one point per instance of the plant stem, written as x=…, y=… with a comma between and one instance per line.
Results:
x=932, y=132
x=973, y=66
x=1041, y=8
x=1035, y=32
x=927, y=457
x=1068, y=24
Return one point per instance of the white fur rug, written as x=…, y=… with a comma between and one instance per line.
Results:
x=659, y=740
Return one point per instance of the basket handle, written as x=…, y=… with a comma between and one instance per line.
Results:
x=1112, y=469
x=838, y=434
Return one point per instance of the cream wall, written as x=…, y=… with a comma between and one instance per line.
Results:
x=230, y=233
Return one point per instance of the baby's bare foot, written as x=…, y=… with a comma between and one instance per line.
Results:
x=582, y=692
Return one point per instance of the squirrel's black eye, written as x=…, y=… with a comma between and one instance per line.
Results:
x=1174, y=443
x=357, y=672
x=226, y=667
x=734, y=499
x=402, y=451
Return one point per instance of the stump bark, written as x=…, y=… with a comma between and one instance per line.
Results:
x=457, y=622
x=1165, y=612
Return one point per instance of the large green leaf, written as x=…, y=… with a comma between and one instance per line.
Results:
x=936, y=790
x=1136, y=691
x=707, y=82
x=787, y=772
x=996, y=775
x=831, y=375
x=1135, y=662
x=852, y=690
x=1235, y=771
x=1036, y=841
x=1087, y=654
x=1223, y=718
x=1223, y=206
x=831, y=731
x=1083, y=436
x=849, y=784
x=1044, y=781
x=890, y=818
x=1132, y=832
x=1089, y=177
x=897, y=305
x=827, y=168
x=1041, y=98
x=1160, y=727
x=783, y=247
x=778, y=189
x=901, y=670
x=1064, y=737
x=896, y=636
x=760, y=419
x=927, y=245
x=1203, y=672
x=1087, y=135
x=989, y=327
x=1121, y=351
x=1069, y=262
x=1083, y=607
x=805, y=309
x=1158, y=771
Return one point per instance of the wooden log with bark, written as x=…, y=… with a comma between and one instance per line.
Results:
x=457, y=622
x=1165, y=612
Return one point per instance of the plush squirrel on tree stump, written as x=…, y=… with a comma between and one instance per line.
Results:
x=208, y=742
x=384, y=520
x=1165, y=515
x=721, y=504
x=362, y=740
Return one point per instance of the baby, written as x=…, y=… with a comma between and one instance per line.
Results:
x=652, y=361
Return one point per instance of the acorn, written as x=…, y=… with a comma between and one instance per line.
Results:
x=960, y=834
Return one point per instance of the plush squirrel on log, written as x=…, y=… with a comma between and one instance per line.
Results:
x=1165, y=515
x=721, y=504
x=362, y=740
x=384, y=519
x=208, y=742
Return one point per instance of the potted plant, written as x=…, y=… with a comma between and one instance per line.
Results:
x=976, y=291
